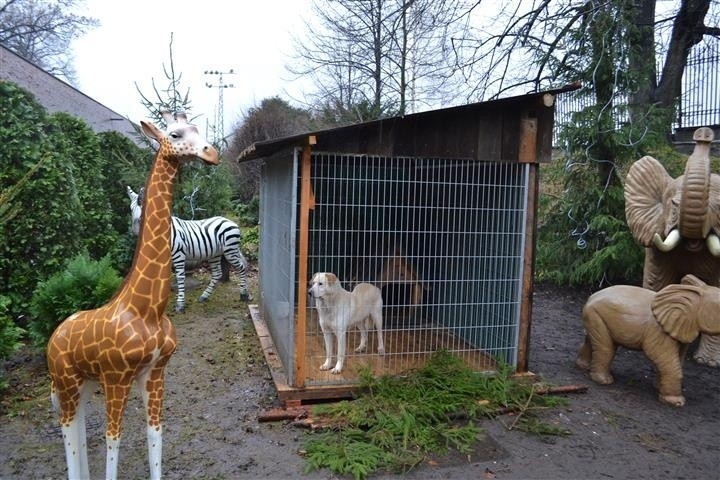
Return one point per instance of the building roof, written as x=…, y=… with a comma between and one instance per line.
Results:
x=495, y=130
x=55, y=95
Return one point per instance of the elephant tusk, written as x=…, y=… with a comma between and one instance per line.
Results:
x=671, y=241
x=713, y=244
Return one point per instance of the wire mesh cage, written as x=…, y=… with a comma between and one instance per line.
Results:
x=444, y=242
x=436, y=210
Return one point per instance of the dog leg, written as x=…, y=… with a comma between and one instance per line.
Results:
x=328, y=351
x=341, y=341
x=377, y=319
x=363, y=326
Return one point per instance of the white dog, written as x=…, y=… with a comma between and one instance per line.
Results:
x=340, y=310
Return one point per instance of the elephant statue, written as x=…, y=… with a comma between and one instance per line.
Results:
x=677, y=220
x=661, y=324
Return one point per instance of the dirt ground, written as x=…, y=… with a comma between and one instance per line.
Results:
x=217, y=383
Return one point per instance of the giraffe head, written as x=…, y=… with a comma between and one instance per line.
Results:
x=181, y=140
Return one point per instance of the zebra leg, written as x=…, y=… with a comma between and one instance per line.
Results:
x=180, y=279
x=237, y=260
x=215, y=275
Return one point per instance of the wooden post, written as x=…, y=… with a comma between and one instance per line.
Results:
x=307, y=203
x=528, y=154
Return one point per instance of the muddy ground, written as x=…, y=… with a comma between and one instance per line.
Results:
x=218, y=382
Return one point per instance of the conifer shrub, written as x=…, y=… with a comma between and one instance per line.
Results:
x=10, y=334
x=83, y=285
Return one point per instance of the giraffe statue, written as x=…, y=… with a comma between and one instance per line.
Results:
x=130, y=338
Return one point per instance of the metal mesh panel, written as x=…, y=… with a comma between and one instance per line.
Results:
x=277, y=254
x=444, y=242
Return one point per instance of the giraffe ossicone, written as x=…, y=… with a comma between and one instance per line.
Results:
x=130, y=338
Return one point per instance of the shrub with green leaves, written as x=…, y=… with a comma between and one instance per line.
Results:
x=248, y=213
x=72, y=201
x=83, y=285
x=249, y=243
x=10, y=334
x=202, y=191
x=583, y=237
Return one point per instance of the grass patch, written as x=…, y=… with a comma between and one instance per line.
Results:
x=400, y=421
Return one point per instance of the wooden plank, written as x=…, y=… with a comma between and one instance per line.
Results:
x=285, y=391
x=307, y=203
x=407, y=348
x=268, y=347
x=528, y=140
x=546, y=121
x=280, y=414
x=395, y=363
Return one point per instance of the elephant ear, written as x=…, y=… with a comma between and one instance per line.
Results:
x=645, y=187
x=676, y=309
x=714, y=203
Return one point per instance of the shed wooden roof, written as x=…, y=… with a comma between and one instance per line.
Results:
x=515, y=129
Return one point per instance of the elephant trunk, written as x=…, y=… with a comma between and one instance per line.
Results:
x=693, y=221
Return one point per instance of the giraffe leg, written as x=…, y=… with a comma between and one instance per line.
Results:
x=152, y=386
x=237, y=260
x=86, y=392
x=215, y=276
x=71, y=439
x=116, y=397
x=71, y=404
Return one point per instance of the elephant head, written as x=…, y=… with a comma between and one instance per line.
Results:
x=687, y=309
x=664, y=212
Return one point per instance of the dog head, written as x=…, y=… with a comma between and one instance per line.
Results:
x=322, y=284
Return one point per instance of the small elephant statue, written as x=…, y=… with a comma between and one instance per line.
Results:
x=661, y=324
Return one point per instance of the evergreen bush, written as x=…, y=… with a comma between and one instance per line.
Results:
x=583, y=237
x=83, y=285
x=250, y=243
x=202, y=191
x=73, y=201
x=10, y=334
x=248, y=213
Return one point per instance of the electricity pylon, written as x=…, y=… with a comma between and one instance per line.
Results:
x=220, y=120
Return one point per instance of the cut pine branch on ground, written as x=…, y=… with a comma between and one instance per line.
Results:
x=398, y=422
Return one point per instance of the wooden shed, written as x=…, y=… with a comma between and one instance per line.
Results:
x=437, y=209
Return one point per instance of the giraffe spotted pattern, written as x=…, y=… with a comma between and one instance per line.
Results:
x=129, y=339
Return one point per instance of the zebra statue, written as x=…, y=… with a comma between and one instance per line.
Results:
x=197, y=240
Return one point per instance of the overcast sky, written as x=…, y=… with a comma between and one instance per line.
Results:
x=253, y=38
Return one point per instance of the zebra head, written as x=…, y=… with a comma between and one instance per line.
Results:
x=135, y=208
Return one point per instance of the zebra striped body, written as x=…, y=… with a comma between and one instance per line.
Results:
x=199, y=240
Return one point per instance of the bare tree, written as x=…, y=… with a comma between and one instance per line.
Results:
x=169, y=98
x=273, y=118
x=540, y=43
x=369, y=58
x=609, y=45
x=41, y=31
x=420, y=60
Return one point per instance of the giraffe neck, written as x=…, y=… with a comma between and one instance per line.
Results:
x=148, y=281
